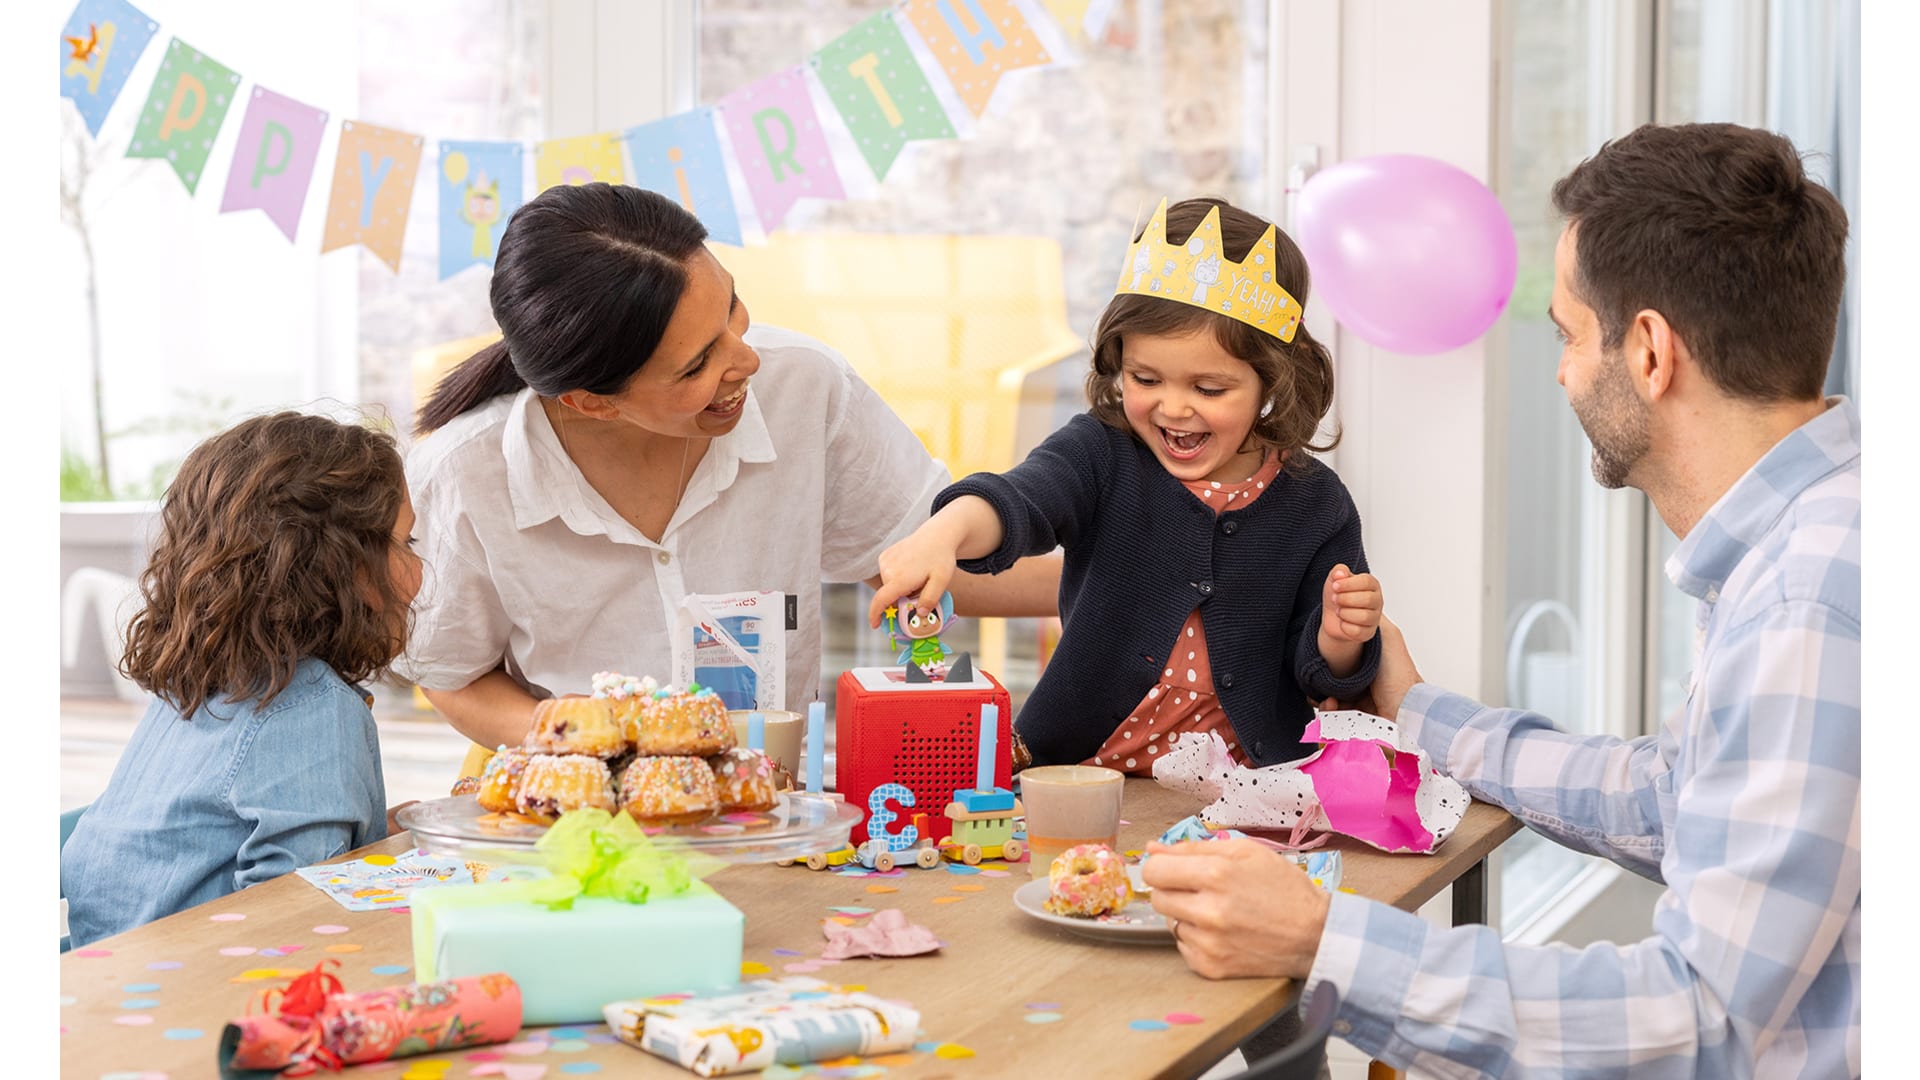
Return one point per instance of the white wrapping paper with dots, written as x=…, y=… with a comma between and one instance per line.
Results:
x=789, y=1021
x=1365, y=781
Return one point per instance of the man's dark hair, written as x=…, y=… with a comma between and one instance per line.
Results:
x=1719, y=229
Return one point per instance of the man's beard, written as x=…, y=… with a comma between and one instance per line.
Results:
x=1616, y=423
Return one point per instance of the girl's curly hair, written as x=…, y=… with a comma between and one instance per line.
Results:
x=1296, y=378
x=274, y=545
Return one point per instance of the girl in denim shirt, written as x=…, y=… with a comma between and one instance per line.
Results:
x=281, y=579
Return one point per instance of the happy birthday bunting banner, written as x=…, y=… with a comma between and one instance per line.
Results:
x=976, y=42
x=879, y=91
x=778, y=143
x=273, y=158
x=102, y=41
x=579, y=160
x=372, y=190
x=1071, y=15
x=679, y=157
x=480, y=189
x=184, y=110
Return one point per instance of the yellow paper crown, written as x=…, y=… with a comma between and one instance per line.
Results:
x=1199, y=273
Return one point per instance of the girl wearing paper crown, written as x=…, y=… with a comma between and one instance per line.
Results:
x=1214, y=578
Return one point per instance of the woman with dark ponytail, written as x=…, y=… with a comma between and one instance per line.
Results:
x=608, y=457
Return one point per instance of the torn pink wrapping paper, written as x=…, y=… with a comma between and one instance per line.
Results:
x=1362, y=783
x=886, y=933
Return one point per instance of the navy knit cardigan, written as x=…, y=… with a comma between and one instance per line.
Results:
x=1141, y=553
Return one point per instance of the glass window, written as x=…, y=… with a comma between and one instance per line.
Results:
x=1169, y=101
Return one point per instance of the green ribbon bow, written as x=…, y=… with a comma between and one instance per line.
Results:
x=594, y=853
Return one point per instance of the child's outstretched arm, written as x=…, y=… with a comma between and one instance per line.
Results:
x=922, y=565
x=1349, y=617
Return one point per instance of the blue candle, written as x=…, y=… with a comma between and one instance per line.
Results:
x=816, y=745
x=756, y=731
x=989, y=738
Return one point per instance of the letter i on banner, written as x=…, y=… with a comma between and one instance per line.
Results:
x=580, y=160
x=886, y=101
x=372, y=190
x=102, y=41
x=777, y=141
x=273, y=158
x=679, y=157
x=184, y=110
x=480, y=188
x=976, y=42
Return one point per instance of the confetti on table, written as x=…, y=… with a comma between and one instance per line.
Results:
x=330, y=928
x=1148, y=1025
x=883, y=888
x=165, y=965
x=1044, y=1006
x=842, y=920
x=133, y=1019
x=182, y=1034
x=996, y=873
x=925, y=1047
x=343, y=948
x=1183, y=1018
x=787, y=952
x=238, y=950
x=390, y=969
x=92, y=954
x=961, y=868
x=484, y=1055
x=951, y=1051
x=226, y=916
x=139, y=1003
x=569, y=1046
x=854, y=911
x=139, y=988
x=969, y=888
x=256, y=975
x=563, y=1033
x=577, y=1067
x=948, y=899
x=1042, y=1017
x=754, y=967
x=525, y=1047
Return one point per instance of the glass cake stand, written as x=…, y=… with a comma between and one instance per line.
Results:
x=800, y=824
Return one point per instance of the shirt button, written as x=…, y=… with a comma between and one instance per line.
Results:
x=1229, y=527
x=1342, y=1027
x=665, y=558
x=1205, y=587
x=1226, y=682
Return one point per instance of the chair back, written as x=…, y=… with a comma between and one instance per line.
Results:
x=1300, y=1059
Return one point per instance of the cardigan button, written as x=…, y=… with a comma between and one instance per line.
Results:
x=1205, y=587
x=1230, y=526
x=1259, y=748
x=1226, y=681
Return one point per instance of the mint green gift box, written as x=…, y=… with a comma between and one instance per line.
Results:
x=618, y=920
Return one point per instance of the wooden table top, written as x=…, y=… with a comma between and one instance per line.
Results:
x=974, y=993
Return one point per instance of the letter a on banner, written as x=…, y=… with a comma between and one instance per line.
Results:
x=872, y=80
x=777, y=141
x=480, y=188
x=184, y=110
x=273, y=158
x=372, y=190
x=976, y=42
x=102, y=41
x=679, y=157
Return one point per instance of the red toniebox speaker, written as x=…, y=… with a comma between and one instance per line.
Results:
x=922, y=736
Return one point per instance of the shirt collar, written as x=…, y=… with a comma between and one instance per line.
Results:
x=544, y=483
x=1749, y=509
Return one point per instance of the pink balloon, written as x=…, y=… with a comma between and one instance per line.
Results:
x=1410, y=253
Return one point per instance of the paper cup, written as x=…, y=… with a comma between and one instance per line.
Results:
x=1068, y=805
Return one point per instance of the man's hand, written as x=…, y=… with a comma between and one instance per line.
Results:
x=1240, y=910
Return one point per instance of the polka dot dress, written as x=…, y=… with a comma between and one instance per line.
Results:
x=1183, y=700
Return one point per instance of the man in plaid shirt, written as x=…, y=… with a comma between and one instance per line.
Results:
x=1697, y=286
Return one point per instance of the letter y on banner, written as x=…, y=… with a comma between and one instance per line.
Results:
x=372, y=190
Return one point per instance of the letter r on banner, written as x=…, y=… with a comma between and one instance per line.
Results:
x=780, y=160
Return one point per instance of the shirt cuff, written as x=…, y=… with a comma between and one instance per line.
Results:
x=1368, y=954
x=1430, y=718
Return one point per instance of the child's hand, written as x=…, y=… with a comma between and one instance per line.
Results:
x=1349, y=607
x=919, y=566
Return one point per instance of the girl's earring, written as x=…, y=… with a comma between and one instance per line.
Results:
x=1266, y=409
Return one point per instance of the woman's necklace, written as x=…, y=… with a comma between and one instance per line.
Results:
x=628, y=515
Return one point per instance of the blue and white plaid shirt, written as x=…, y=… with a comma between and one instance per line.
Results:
x=1747, y=807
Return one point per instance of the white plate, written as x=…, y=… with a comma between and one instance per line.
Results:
x=1135, y=924
x=798, y=826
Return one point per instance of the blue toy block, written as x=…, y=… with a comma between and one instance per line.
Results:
x=975, y=801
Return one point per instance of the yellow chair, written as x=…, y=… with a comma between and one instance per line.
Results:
x=947, y=330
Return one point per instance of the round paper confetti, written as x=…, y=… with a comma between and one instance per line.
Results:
x=329, y=928
x=787, y=952
x=995, y=873
x=525, y=1048
x=1042, y=1017
x=139, y=1003
x=1183, y=1018
x=969, y=888
x=390, y=969
x=948, y=899
x=961, y=868
x=226, y=916
x=1043, y=1006
x=133, y=1019
x=140, y=988
x=237, y=950
x=343, y=948
x=577, y=1067
x=485, y=1055
x=883, y=888
x=563, y=1033
x=1148, y=1025
x=182, y=1034
x=378, y=860
x=92, y=954
x=568, y=1046
x=951, y=1051
x=754, y=967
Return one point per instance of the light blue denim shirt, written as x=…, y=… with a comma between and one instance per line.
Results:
x=233, y=795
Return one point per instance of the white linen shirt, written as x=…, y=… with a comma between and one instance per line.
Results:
x=526, y=563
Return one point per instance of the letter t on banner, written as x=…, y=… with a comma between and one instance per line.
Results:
x=777, y=140
x=372, y=190
x=976, y=42
x=273, y=158
x=679, y=157
x=882, y=95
